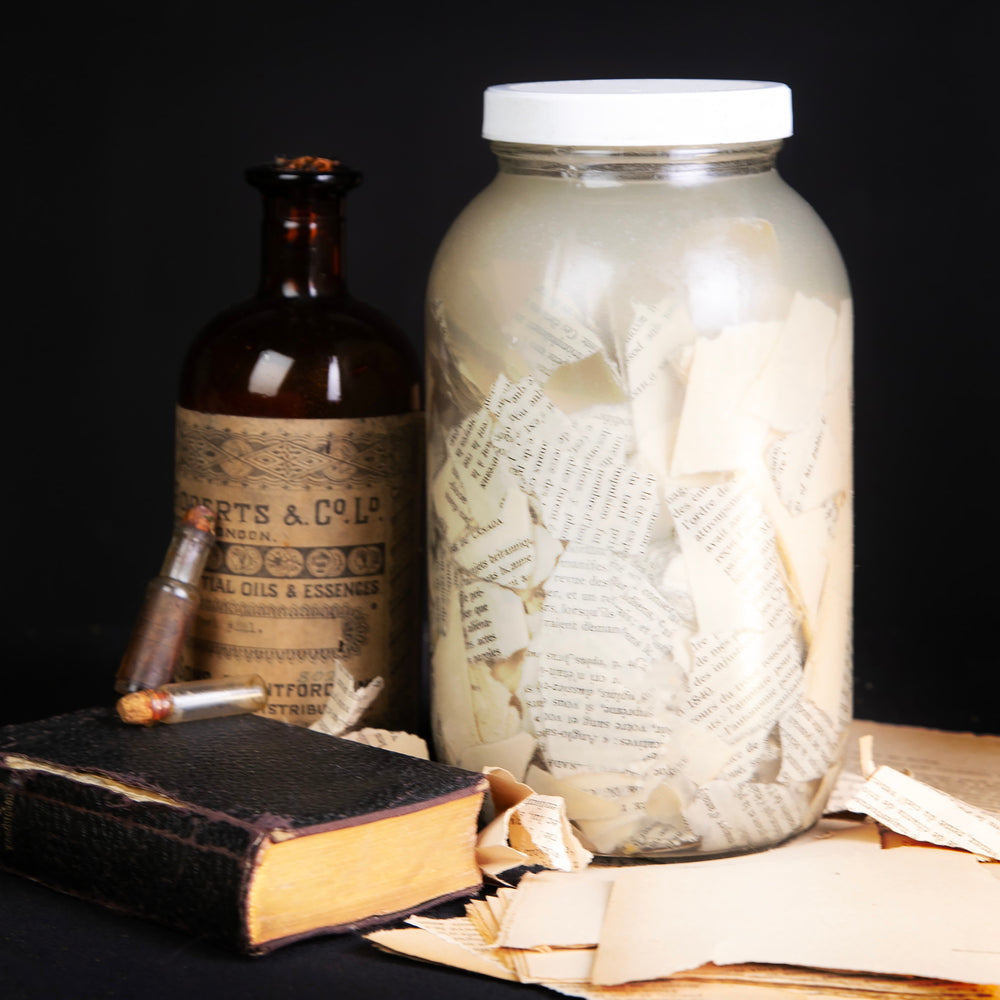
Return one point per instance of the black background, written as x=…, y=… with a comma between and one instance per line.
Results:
x=128, y=225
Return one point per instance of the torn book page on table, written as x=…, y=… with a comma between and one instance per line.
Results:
x=940, y=788
x=963, y=765
x=834, y=902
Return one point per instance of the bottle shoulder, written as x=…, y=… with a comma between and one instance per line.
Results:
x=303, y=323
x=321, y=357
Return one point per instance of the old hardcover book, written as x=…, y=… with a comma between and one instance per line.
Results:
x=243, y=830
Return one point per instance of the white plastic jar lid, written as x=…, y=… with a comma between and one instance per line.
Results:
x=629, y=113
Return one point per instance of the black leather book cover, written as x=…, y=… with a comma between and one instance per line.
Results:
x=165, y=821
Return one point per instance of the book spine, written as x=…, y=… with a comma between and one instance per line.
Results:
x=142, y=855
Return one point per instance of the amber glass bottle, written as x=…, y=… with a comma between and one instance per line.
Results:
x=299, y=423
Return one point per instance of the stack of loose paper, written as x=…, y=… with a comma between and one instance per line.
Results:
x=833, y=899
x=908, y=920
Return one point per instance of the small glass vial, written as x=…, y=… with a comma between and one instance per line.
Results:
x=171, y=602
x=188, y=701
x=639, y=468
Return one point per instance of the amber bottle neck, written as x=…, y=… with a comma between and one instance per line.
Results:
x=301, y=246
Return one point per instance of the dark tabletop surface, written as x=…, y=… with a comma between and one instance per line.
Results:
x=56, y=947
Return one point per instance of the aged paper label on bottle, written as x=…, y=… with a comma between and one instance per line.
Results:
x=318, y=563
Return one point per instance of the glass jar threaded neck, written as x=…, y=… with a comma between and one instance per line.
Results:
x=676, y=164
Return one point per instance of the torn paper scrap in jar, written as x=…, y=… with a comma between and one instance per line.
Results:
x=828, y=673
x=460, y=362
x=655, y=339
x=810, y=741
x=470, y=447
x=587, y=385
x=593, y=708
x=787, y=390
x=594, y=594
x=441, y=581
x=806, y=544
x=808, y=466
x=549, y=334
x=584, y=492
x=493, y=621
x=729, y=815
x=513, y=754
x=497, y=716
x=716, y=433
x=731, y=555
x=522, y=411
x=455, y=720
x=742, y=683
x=574, y=469
x=500, y=550
x=469, y=489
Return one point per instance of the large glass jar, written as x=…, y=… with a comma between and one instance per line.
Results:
x=639, y=405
